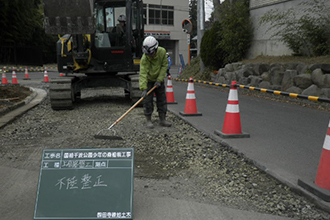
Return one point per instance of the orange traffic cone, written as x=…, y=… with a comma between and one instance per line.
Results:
x=46, y=79
x=61, y=74
x=14, y=77
x=4, y=78
x=323, y=173
x=190, y=107
x=232, y=124
x=170, y=92
x=26, y=74
x=321, y=186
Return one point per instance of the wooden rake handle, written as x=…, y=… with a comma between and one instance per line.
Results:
x=131, y=108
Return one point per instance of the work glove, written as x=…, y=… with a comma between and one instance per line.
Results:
x=144, y=93
x=157, y=84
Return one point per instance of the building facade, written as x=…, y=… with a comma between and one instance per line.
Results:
x=163, y=20
x=262, y=43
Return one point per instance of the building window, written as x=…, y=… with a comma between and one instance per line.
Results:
x=161, y=14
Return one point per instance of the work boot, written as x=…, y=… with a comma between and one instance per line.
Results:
x=163, y=122
x=149, y=123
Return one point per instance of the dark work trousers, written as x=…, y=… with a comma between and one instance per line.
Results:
x=161, y=100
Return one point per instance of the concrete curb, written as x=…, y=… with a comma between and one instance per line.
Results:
x=19, y=104
x=9, y=114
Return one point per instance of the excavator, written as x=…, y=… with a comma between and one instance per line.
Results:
x=93, y=49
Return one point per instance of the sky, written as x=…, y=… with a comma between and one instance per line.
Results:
x=209, y=8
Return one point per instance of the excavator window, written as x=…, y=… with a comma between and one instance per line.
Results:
x=109, y=31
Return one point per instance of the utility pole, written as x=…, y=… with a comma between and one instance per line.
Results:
x=200, y=28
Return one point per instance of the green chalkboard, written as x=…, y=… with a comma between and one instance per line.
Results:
x=85, y=184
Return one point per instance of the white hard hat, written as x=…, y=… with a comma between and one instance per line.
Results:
x=150, y=45
x=121, y=18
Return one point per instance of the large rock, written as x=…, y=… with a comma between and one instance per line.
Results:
x=230, y=76
x=313, y=90
x=326, y=81
x=313, y=67
x=318, y=77
x=260, y=68
x=325, y=68
x=325, y=92
x=265, y=85
x=276, y=75
x=229, y=67
x=244, y=81
x=302, y=68
x=276, y=87
x=266, y=76
x=237, y=66
x=288, y=77
x=276, y=66
x=290, y=66
x=303, y=81
x=255, y=80
x=220, y=79
x=222, y=72
x=294, y=89
x=245, y=72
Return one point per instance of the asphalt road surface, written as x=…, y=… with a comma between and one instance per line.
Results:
x=286, y=140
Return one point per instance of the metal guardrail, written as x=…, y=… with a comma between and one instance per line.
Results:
x=276, y=92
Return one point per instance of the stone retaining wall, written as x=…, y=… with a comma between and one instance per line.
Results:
x=311, y=80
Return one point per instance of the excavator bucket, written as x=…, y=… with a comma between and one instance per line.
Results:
x=68, y=16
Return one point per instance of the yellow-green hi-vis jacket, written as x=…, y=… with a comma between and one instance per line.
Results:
x=153, y=69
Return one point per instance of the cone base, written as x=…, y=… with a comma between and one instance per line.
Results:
x=190, y=114
x=26, y=79
x=223, y=135
x=172, y=103
x=314, y=189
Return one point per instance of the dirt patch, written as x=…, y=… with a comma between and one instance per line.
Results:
x=11, y=94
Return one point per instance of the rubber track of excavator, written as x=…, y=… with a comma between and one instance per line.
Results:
x=61, y=94
x=135, y=93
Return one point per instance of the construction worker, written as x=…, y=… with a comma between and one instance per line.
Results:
x=121, y=27
x=153, y=68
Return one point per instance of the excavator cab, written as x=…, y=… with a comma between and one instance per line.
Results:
x=98, y=36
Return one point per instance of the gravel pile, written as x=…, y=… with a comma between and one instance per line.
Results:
x=178, y=162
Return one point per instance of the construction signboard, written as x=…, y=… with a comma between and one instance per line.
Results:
x=85, y=184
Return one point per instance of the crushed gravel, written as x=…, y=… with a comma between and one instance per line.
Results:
x=178, y=162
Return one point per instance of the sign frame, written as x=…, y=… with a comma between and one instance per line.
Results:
x=85, y=184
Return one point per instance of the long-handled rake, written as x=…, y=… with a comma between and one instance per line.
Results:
x=114, y=136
